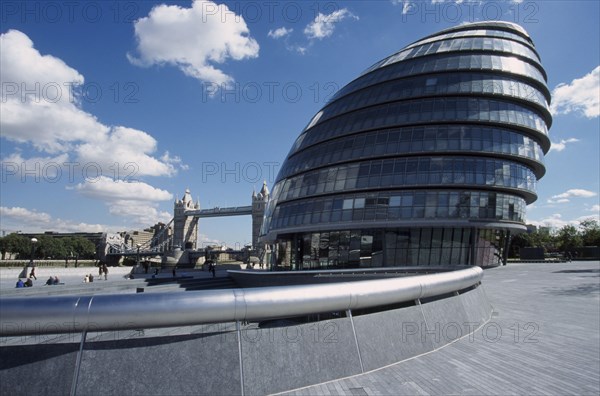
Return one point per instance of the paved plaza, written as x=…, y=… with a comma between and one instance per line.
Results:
x=543, y=338
x=118, y=281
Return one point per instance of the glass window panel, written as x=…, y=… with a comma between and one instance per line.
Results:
x=359, y=203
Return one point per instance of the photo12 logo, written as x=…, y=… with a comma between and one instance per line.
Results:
x=69, y=11
x=491, y=332
x=53, y=92
x=249, y=172
x=268, y=91
x=53, y=172
x=116, y=11
x=469, y=11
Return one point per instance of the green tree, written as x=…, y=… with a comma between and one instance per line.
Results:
x=590, y=233
x=49, y=247
x=568, y=238
x=538, y=239
x=69, y=246
x=15, y=243
x=83, y=248
x=518, y=242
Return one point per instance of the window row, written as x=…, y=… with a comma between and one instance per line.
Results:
x=465, y=44
x=398, y=206
x=485, y=33
x=425, y=111
x=413, y=140
x=395, y=247
x=464, y=33
x=437, y=84
x=493, y=25
x=445, y=62
x=409, y=172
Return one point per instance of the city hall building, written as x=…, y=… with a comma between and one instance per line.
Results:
x=428, y=158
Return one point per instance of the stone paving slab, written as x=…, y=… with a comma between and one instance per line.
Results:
x=543, y=338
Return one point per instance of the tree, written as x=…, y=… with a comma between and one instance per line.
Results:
x=590, y=233
x=518, y=242
x=534, y=239
x=568, y=238
x=83, y=248
x=49, y=247
x=15, y=243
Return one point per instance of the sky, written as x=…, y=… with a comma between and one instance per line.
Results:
x=111, y=109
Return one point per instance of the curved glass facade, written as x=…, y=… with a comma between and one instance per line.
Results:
x=473, y=62
x=428, y=158
x=426, y=111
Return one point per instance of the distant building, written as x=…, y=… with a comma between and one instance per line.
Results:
x=427, y=158
x=162, y=234
x=137, y=237
x=544, y=230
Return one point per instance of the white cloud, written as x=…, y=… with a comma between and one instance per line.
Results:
x=407, y=5
x=560, y=146
x=135, y=201
x=37, y=103
x=573, y=193
x=176, y=160
x=204, y=240
x=558, y=201
x=279, y=33
x=52, y=121
x=299, y=49
x=130, y=144
x=582, y=95
x=595, y=208
x=193, y=39
x=554, y=221
x=41, y=69
x=49, y=169
x=139, y=213
x=27, y=220
x=111, y=190
x=324, y=25
x=576, y=192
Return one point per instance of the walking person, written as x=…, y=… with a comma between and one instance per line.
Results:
x=105, y=270
x=32, y=273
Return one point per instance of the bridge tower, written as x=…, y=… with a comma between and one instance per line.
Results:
x=259, y=203
x=185, y=228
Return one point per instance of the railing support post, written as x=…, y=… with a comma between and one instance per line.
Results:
x=78, y=364
x=239, y=337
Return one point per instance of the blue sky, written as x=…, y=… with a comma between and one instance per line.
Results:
x=110, y=110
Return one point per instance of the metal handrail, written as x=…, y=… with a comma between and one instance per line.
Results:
x=66, y=314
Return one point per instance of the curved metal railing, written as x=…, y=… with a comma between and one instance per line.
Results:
x=65, y=314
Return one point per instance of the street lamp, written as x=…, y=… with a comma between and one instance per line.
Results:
x=31, y=263
x=137, y=264
x=33, y=242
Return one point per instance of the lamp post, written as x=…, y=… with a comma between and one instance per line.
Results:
x=31, y=263
x=137, y=263
x=33, y=242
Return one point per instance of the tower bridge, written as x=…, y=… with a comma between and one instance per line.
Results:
x=178, y=239
x=220, y=212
